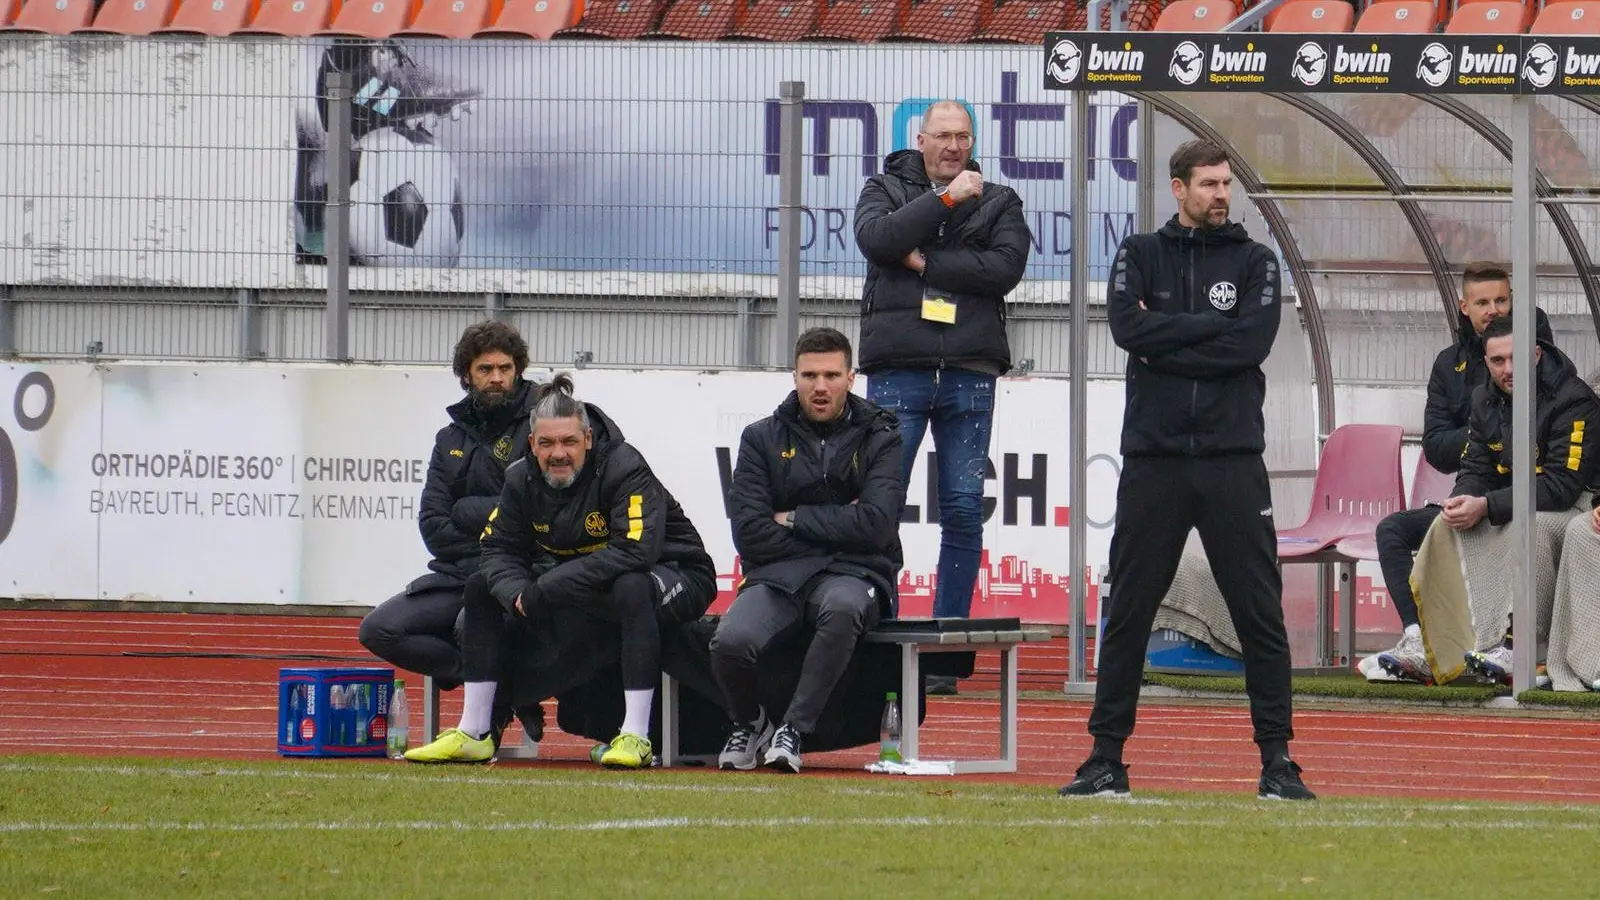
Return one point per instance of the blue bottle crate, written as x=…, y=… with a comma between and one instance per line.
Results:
x=1175, y=653
x=334, y=711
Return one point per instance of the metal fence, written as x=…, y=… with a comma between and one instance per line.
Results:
x=622, y=203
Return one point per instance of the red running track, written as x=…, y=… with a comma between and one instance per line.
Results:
x=181, y=685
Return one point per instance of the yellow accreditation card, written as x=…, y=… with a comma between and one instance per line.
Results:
x=938, y=308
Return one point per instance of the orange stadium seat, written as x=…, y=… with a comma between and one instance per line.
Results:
x=861, y=21
x=452, y=18
x=1490, y=17
x=373, y=18
x=1568, y=17
x=778, y=20
x=54, y=16
x=616, y=20
x=1398, y=17
x=698, y=20
x=1313, y=16
x=134, y=17
x=1022, y=22
x=942, y=21
x=293, y=18
x=536, y=19
x=213, y=18
x=1196, y=15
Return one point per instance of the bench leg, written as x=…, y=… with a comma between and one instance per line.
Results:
x=1347, y=615
x=910, y=714
x=430, y=709
x=1008, y=707
x=669, y=721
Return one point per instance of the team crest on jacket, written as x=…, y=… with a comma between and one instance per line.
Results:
x=1224, y=295
x=502, y=448
x=595, y=524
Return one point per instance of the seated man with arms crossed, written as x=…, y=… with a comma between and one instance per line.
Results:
x=415, y=630
x=586, y=539
x=816, y=500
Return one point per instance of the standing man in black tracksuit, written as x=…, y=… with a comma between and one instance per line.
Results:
x=1196, y=306
x=1458, y=370
x=816, y=499
x=585, y=538
x=415, y=630
x=943, y=249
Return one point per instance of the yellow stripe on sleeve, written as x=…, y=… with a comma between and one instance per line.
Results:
x=635, y=517
x=1575, y=446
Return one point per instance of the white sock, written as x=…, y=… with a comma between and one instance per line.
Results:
x=1413, y=631
x=477, y=707
x=636, y=715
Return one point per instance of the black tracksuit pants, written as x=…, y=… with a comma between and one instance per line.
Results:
x=1399, y=537
x=1229, y=500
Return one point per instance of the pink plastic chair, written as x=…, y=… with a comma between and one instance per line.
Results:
x=1428, y=485
x=1358, y=484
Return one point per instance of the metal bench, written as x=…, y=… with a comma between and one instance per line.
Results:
x=914, y=641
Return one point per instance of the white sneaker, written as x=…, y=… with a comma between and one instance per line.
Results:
x=1493, y=664
x=1369, y=669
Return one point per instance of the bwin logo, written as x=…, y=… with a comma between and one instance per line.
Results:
x=1434, y=65
x=1188, y=63
x=1497, y=63
x=1310, y=64
x=1065, y=61
x=1539, y=68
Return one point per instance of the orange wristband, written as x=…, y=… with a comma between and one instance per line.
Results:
x=947, y=201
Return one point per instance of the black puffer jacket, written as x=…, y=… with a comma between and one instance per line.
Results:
x=1457, y=372
x=566, y=545
x=468, y=468
x=1211, y=308
x=843, y=483
x=975, y=255
x=1566, y=410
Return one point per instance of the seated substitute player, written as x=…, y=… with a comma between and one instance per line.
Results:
x=816, y=499
x=585, y=538
x=415, y=630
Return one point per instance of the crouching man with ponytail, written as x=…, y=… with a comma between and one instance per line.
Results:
x=585, y=546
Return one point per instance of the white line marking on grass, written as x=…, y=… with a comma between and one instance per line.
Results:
x=840, y=788
x=512, y=778
x=609, y=825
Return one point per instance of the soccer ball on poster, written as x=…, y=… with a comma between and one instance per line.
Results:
x=406, y=203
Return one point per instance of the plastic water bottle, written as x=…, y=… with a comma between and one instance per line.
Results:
x=291, y=725
x=889, y=730
x=399, y=721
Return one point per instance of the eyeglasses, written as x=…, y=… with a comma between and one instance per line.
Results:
x=961, y=139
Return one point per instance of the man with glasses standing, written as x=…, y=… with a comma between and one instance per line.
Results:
x=943, y=249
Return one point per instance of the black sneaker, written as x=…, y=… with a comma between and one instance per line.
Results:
x=1280, y=780
x=1098, y=777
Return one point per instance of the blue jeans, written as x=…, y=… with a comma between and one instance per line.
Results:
x=960, y=406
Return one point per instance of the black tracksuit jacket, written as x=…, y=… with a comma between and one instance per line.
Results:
x=843, y=483
x=1212, y=303
x=465, y=475
x=566, y=546
x=1566, y=410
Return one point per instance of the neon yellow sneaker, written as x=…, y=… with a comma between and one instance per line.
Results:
x=454, y=745
x=628, y=751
